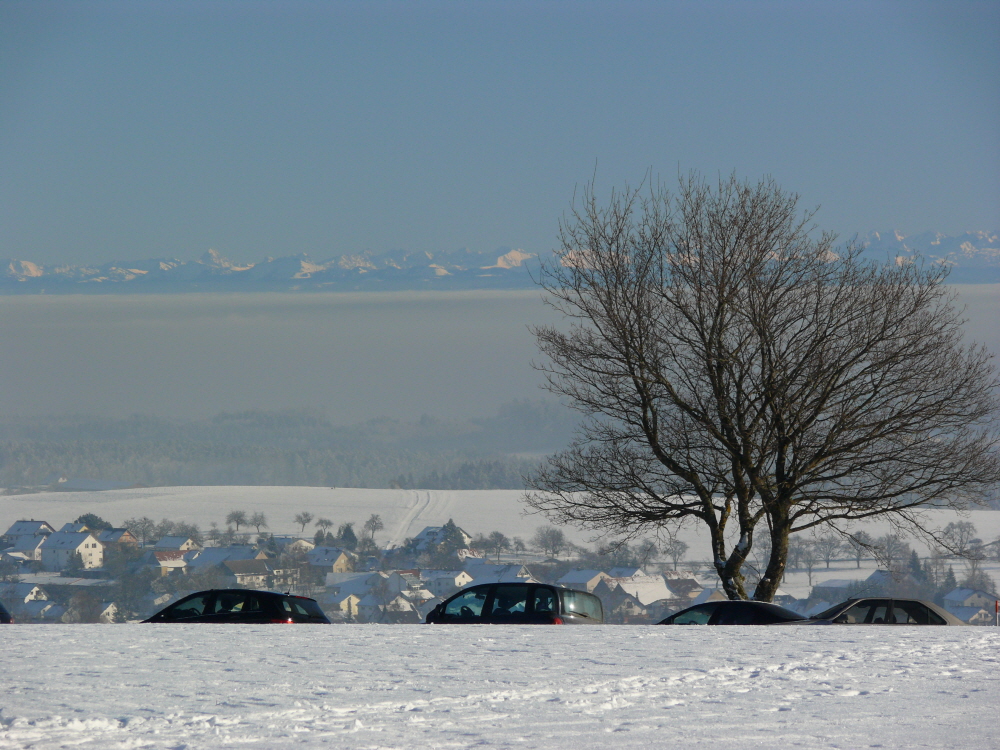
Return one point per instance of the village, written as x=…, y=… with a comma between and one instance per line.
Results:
x=97, y=573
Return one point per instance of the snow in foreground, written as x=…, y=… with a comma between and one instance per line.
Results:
x=368, y=686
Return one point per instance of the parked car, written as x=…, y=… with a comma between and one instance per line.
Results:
x=519, y=604
x=242, y=606
x=732, y=613
x=882, y=611
x=6, y=618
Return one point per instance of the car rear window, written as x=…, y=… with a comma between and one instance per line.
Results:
x=579, y=603
x=302, y=606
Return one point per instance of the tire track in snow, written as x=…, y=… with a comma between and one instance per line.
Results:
x=418, y=507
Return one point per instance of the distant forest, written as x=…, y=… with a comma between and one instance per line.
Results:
x=285, y=448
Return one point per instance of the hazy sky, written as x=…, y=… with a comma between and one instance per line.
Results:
x=354, y=356
x=140, y=129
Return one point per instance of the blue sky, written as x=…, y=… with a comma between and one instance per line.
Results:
x=143, y=129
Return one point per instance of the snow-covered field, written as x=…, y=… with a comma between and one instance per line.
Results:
x=369, y=686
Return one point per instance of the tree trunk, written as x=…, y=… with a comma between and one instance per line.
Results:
x=768, y=585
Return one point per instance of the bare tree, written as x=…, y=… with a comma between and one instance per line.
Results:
x=675, y=549
x=809, y=556
x=258, y=521
x=324, y=524
x=892, y=550
x=304, y=519
x=141, y=528
x=828, y=546
x=958, y=537
x=496, y=543
x=737, y=370
x=549, y=540
x=861, y=544
x=373, y=524
x=237, y=518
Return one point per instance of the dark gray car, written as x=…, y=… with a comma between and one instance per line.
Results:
x=732, y=613
x=518, y=604
x=885, y=611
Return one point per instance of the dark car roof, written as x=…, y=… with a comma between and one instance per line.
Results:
x=769, y=607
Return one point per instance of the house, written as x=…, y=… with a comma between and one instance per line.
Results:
x=249, y=574
x=30, y=528
x=973, y=615
x=834, y=589
x=443, y=583
x=117, y=538
x=623, y=607
x=644, y=589
x=22, y=593
x=484, y=572
x=27, y=547
x=346, y=605
x=177, y=543
x=585, y=580
x=109, y=610
x=330, y=559
x=710, y=595
x=74, y=528
x=201, y=560
x=432, y=536
x=969, y=598
x=684, y=588
x=165, y=561
x=356, y=583
x=630, y=572
x=59, y=548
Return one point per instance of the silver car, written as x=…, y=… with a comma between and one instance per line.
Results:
x=883, y=611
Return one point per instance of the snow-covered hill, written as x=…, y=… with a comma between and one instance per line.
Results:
x=423, y=686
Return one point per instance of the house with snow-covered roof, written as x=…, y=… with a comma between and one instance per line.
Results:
x=483, y=572
x=177, y=543
x=117, y=538
x=22, y=593
x=583, y=579
x=432, y=536
x=443, y=583
x=962, y=597
x=330, y=559
x=200, y=560
x=30, y=528
x=27, y=547
x=59, y=548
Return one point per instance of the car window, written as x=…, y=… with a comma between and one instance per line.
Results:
x=696, y=615
x=580, y=603
x=299, y=606
x=870, y=611
x=509, y=600
x=914, y=613
x=736, y=613
x=543, y=600
x=302, y=606
x=191, y=607
x=468, y=605
x=236, y=601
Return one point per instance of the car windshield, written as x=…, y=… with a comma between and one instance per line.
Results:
x=827, y=614
x=579, y=603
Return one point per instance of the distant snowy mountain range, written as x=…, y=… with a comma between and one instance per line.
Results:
x=505, y=268
x=974, y=257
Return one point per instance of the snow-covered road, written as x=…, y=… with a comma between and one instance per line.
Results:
x=369, y=686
